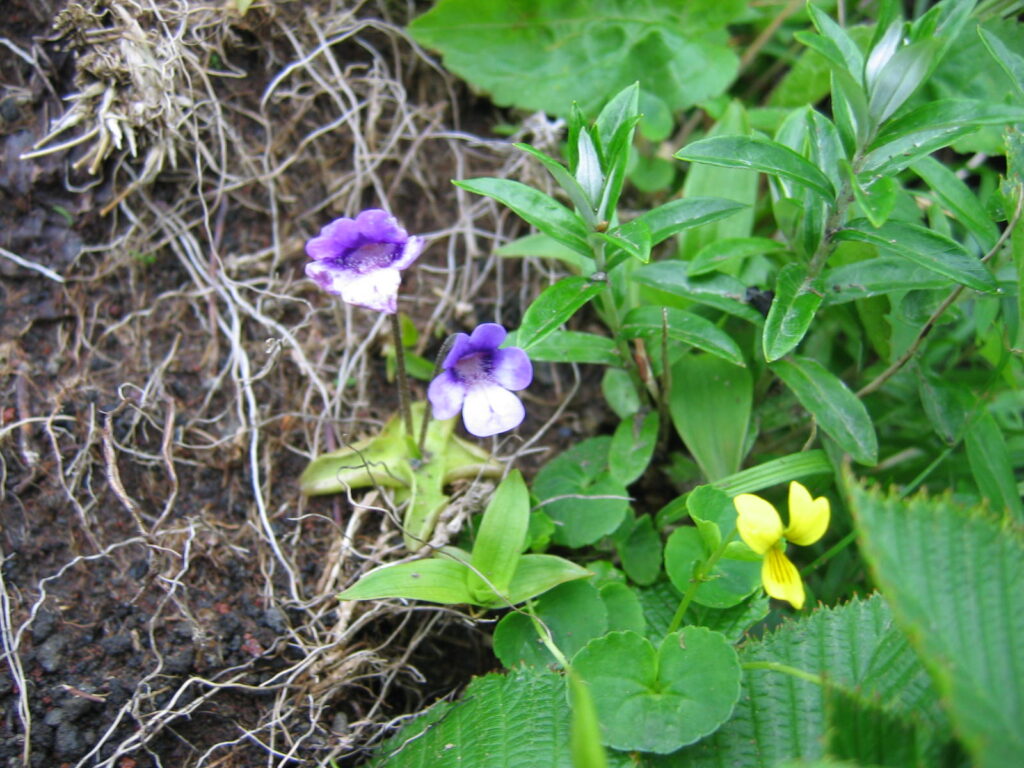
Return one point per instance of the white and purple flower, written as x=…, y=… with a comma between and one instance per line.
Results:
x=479, y=379
x=361, y=259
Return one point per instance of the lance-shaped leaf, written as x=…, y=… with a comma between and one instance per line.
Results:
x=836, y=409
x=899, y=77
x=555, y=305
x=546, y=214
x=992, y=467
x=759, y=154
x=675, y=216
x=722, y=292
x=570, y=347
x=959, y=605
x=683, y=326
x=720, y=254
x=958, y=198
x=501, y=537
x=925, y=248
x=580, y=197
x=796, y=300
x=874, y=277
x=436, y=580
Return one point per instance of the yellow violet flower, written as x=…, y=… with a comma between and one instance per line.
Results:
x=760, y=527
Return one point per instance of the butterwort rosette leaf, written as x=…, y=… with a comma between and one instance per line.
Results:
x=362, y=259
x=479, y=379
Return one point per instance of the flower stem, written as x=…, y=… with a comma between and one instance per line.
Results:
x=699, y=576
x=403, y=380
x=545, y=637
x=428, y=411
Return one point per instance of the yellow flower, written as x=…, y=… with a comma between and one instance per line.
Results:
x=760, y=526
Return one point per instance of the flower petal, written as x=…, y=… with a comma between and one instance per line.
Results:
x=781, y=578
x=487, y=337
x=460, y=347
x=512, y=368
x=758, y=523
x=377, y=226
x=376, y=290
x=410, y=253
x=490, y=409
x=808, y=518
x=446, y=395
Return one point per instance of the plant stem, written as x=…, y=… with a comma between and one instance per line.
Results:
x=699, y=576
x=774, y=666
x=404, y=401
x=545, y=637
x=428, y=411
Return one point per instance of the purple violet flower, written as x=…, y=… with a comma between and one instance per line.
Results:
x=477, y=378
x=361, y=259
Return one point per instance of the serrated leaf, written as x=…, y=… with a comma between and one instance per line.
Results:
x=681, y=326
x=959, y=605
x=792, y=311
x=485, y=726
x=779, y=716
x=732, y=622
x=759, y=154
x=533, y=206
x=710, y=403
x=992, y=468
x=554, y=306
x=544, y=55
x=836, y=409
x=658, y=700
x=570, y=347
x=925, y=248
x=722, y=292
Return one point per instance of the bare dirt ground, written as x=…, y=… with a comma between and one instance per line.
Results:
x=166, y=594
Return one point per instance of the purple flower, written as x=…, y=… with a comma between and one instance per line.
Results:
x=477, y=378
x=361, y=259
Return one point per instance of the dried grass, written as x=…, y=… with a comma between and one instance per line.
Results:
x=222, y=142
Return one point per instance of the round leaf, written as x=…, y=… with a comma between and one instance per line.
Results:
x=729, y=582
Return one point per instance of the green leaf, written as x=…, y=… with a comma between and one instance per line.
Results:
x=486, y=726
x=546, y=214
x=710, y=403
x=1011, y=62
x=840, y=38
x=959, y=604
x=500, y=538
x=632, y=447
x=580, y=197
x=535, y=575
x=544, y=247
x=436, y=580
x=729, y=582
x=796, y=300
x=681, y=326
x=759, y=154
x=622, y=110
x=573, y=612
x=640, y=553
x=585, y=733
x=555, y=305
x=726, y=252
x=899, y=77
x=624, y=609
x=925, y=248
x=733, y=622
x=836, y=409
x=875, y=277
x=929, y=127
x=722, y=292
x=660, y=700
x=958, y=198
x=635, y=242
x=568, y=484
x=676, y=215
x=541, y=55
x=781, y=716
x=570, y=347
x=945, y=403
x=620, y=392
x=992, y=468
x=776, y=472
x=876, y=198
